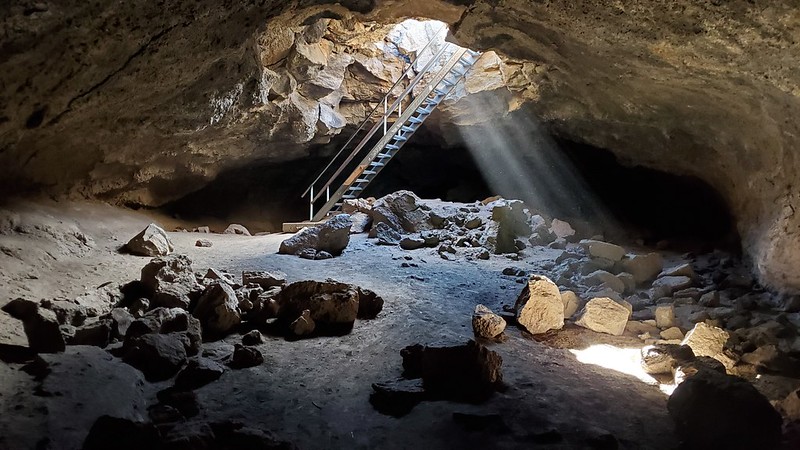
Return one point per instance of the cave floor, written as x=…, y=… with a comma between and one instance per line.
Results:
x=315, y=392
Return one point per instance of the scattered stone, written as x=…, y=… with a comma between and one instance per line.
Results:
x=672, y=334
x=203, y=243
x=681, y=270
x=198, y=373
x=244, y=357
x=412, y=243
x=562, y=229
x=397, y=397
x=236, y=228
x=790, y=406
x=253, y=337
x=710, y=299
x=331, y=236
x=714, y=410
x=152, y=241
x=663, y=358
x=511, y=220
x=601, y=277
x=705, y=340
x=174, y=321
x=41, y=325
x=170, y=281
x=600, y=249
x=158, y=356
x=322, y=254
x=370, y=304
x=213, y=275
x=264, y=279
x=487, y=324
x=666, y=286
x=139, y=307
x=604, y=315
x=401, y=210
x=360, y=222
x=357, y=205
x=202, y=230
x=332, y=305
x=386, y=234
x=570, y=301
x=473, y=223
x=539, y=307
x=665, y=316
x=303, y=325
x=643, y=267
x=689, y=368
x=218, y=309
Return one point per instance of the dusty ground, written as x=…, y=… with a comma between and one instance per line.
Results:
x=315, y=392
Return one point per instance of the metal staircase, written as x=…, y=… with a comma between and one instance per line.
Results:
x=349, y=179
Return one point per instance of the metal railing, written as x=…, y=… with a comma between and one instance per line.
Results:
x=314, y=191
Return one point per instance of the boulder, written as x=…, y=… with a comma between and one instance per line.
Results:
x=666, y=286
x=357, y=205
x=689, y=368
x=790, y=406
x=203, y=243
x=96, y=333
x=402, y=211
x=714, y=410
x=360, y=222
x=644, y=268
x=121, y=320
x=330, y=304
x=605, y=250
x=158, y=356
x=370, y=304
x=41, y=325
x=665, y=316
x=197, y=373
x=386, y=234
x=681, y=270
x=672, y=334
x=562, y=229
x=397, y=397
x=170, y=281
x=412, y=243
x=236, y=228
x=539, y=307
x=664, y=358
x=174, y=321
x=331, y=236
x=571, y=303
x=487, y=324
x=706, y=340
x=253, y=337
x=265, y=279
x=152, y=241
x=244, y=357
x=218, y=309
x=513, y=220
x=604, y=315
x=600, y=277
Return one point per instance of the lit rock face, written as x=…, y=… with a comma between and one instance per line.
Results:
x=140, y=104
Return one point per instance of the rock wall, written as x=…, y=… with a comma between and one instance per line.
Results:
x=142, y=103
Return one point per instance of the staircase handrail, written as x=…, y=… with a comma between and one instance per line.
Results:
x=377, y=125
x=367, y=119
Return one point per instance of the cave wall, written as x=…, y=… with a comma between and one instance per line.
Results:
x=142, y=102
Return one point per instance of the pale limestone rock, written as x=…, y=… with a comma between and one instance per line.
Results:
x=665, y=316
x=539, y=306
x=629, y=281
x=599, y=277
x=791, y=406
x=681, y=270
x=643, y=267
x=487, y=324
x=570, y=301
x=604, y=315
x=672, y=334
x=710, y=341
x=663, y=358
x=600, y=249
x=152, y=241
x=562, y=229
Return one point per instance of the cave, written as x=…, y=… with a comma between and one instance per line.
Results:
x=395, y=224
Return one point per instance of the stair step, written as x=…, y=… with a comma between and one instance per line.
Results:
x=369, y=172
x=348, y=197
x=408, y=129
x=377, y=164
x=363, y=180
x=392, y=147
x=355, y=188
x=385, y=155
x=415, y=120
x=399, y=137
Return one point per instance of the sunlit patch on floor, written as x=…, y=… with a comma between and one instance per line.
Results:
x=623, y=360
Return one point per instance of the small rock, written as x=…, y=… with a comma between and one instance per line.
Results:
x=331, y=236
x=202, y=230
x=412, y=243
x=473, y=223
x=244, y=357
x=668, y=285
x=41, y=325
x=570, y=301
x=303, y=325
x=600, y=277
x=600, y=249
x=152, y=241
x=322, y=254
x=158, y=356
x=253, y=337
x=681, y=270
x=236, y=228
x=264, y=279
x=672, y=334
x=397, y=397
x=487, y=324
x=197, y=373
x=539, y=307
x=604, y=315
x=170, y=281
x=643, y=267
x=665, y=316
x=791, y=406
x=710, y=299
x=203, y=243
x=360, y=222
x=663, y=358
x=562, y=229
x=139, y=307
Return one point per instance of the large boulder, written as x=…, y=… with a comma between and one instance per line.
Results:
x=174, y=321
x=539, y=306
x=604, y=315
x=707, y=340
x=152, y=241
x=605, y=250
x=714, y=410
x=218, y=309
x=170, y=281
x=644, y=268
x=158, y=356
x=401, y=210
x=331, y=236
x=331, y=304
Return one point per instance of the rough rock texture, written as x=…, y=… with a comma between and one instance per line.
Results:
x=539, y=306
x=171, y=281
x=487, y=324
x=604, y=316
x=331, y=236
x=218, y=309
x=714, y=410
x=664, y=358
x=168, y=97
x=152, y=241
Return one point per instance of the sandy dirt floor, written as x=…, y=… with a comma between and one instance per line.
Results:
x=315, y=392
